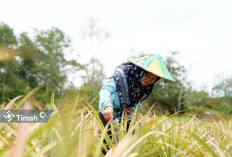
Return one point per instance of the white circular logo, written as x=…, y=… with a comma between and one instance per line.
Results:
x=43, y=114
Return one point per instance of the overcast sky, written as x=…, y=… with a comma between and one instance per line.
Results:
x=201, y=30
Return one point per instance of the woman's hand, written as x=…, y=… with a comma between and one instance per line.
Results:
x=129, y=110
x=108, y=113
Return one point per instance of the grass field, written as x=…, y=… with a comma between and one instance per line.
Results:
x=74, y=131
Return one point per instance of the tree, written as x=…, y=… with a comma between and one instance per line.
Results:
x=27, y=63
x=8, y=64
x=94, y=73
x=223, y=88
x=223, y=92
x=7, y=36
x=51, y=62
x=169, y=95
x=94, y=37
x=29, y=54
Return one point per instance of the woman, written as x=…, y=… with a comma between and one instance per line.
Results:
x=131, y=84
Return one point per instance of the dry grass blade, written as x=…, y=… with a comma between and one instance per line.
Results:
x=19, y=143
x=27, y=97
x=73, y=131
x=8, y=106
x=100, y=123
x=82, y=138
x=202, y=143
x=121, y=147
x=46, y=149
x=37, y=149
x=100, y=143
x=4, y=141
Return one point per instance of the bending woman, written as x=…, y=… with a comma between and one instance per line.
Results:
x=130, y=84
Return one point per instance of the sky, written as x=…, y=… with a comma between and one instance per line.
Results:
x=201, y=30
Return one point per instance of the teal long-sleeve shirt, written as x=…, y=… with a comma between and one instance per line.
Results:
x=109, y=96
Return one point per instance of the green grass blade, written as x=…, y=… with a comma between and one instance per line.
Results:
x=100, y=143
x=100, y=122
x=202, y=143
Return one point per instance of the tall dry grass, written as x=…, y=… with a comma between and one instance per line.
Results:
x=73, y=130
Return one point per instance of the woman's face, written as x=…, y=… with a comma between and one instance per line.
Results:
x=148, y=79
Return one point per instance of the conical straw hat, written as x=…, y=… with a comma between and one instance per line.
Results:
x=153, y=64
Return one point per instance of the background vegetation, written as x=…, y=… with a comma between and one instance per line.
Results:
x=182, y=122
x=27, y=62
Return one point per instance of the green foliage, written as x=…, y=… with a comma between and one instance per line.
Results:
x=202, y=101
x=52, y=44
x=225, y=107
x=224, y=87
x=26, y=63
x=94, y=73
x=73, y=131
x=223, y=92
x=84, y=94
x=29, y=54
x=7, y=36
x=33, y=63
x=89, y=94
x=10, y=85
x=169, y=95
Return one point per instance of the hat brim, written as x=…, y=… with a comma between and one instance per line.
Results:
x=153, y=64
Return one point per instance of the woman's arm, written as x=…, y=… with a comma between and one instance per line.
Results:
x=106, y=99
x=105, y=94
x=134, y=107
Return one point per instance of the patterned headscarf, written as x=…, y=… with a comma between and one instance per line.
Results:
x=130, y=90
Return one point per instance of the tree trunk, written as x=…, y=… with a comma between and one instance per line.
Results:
x=3, y=88
x=46, y=90
x=179, y=100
